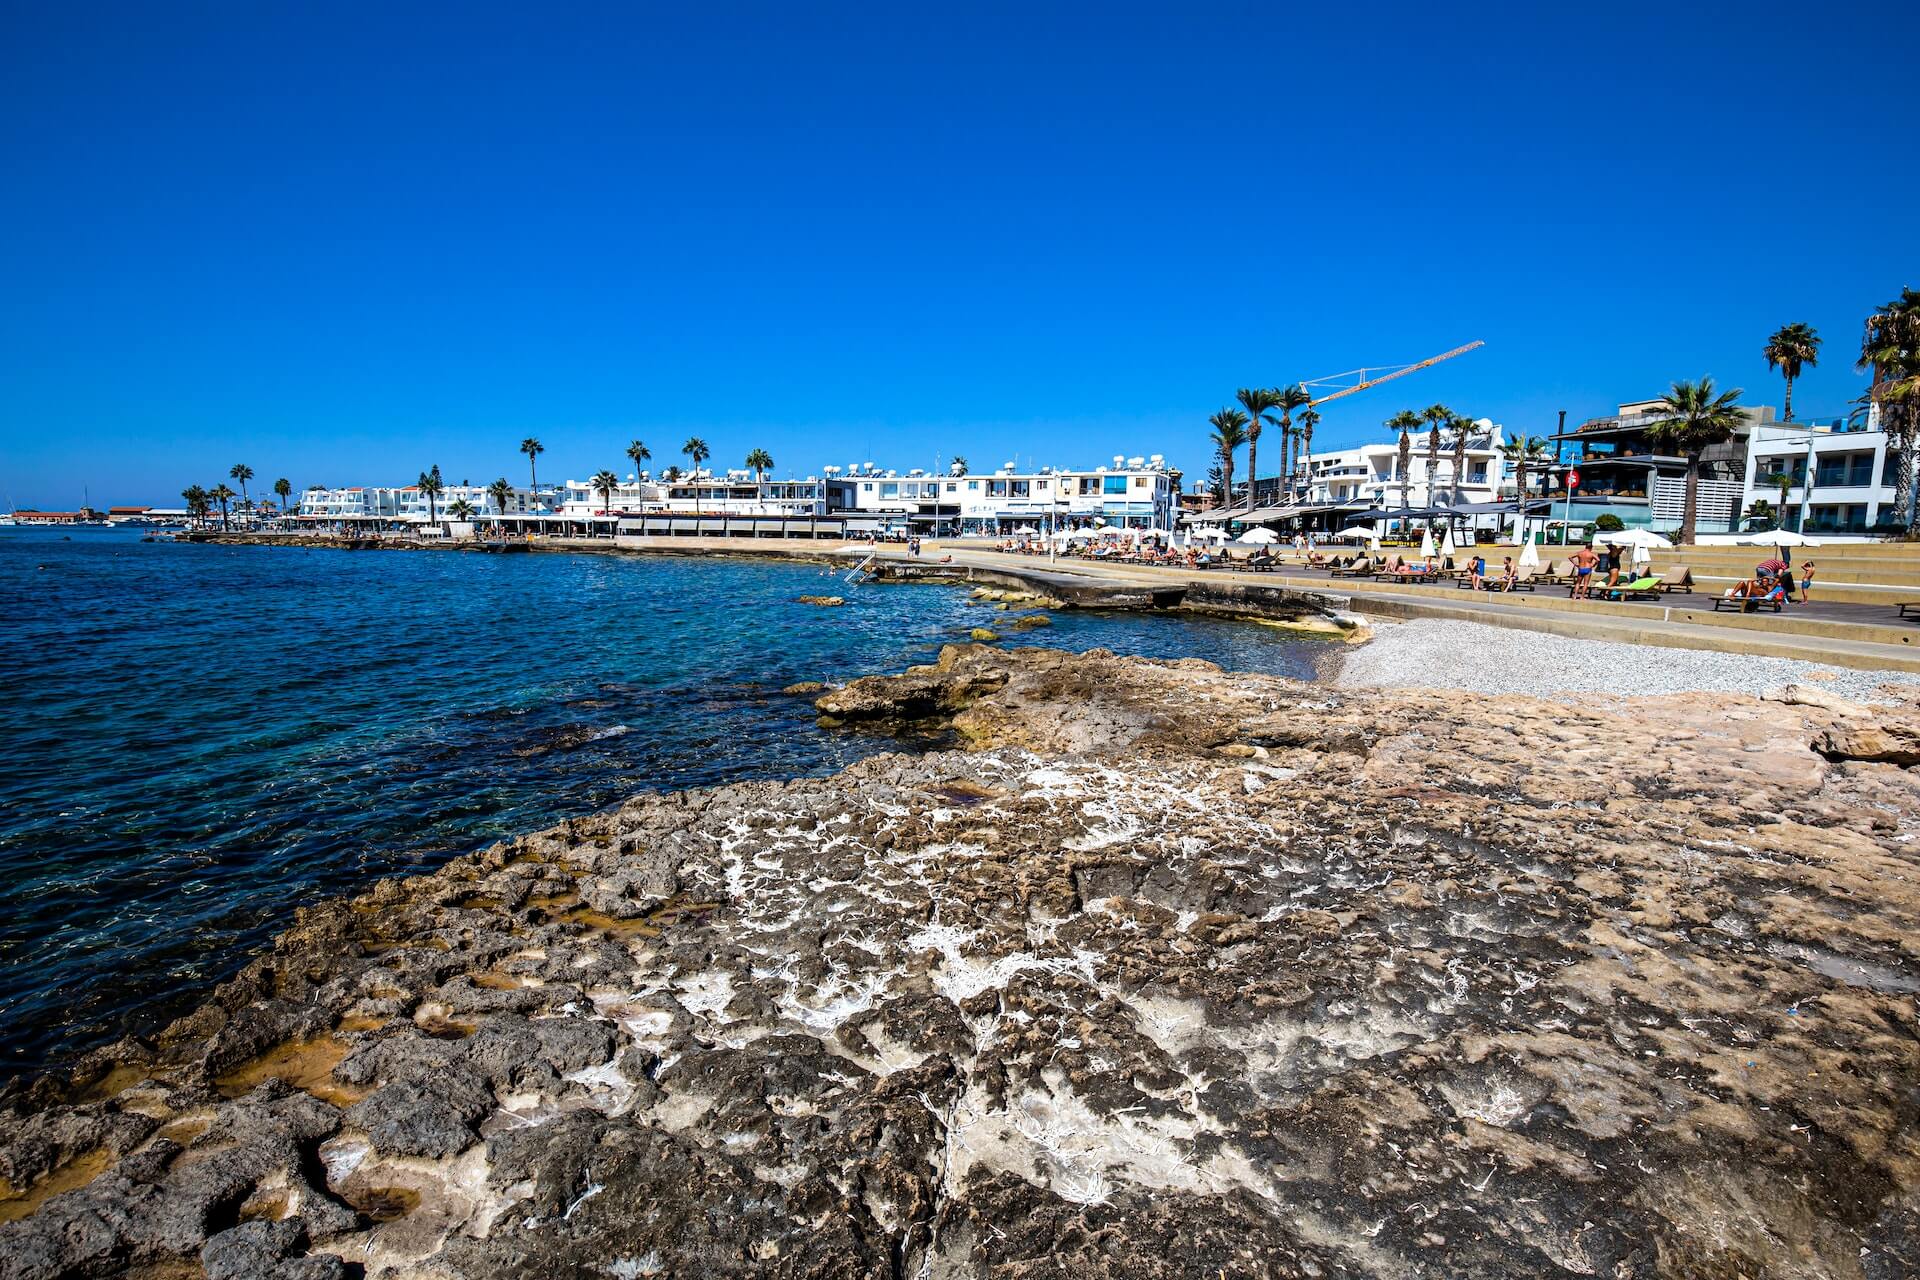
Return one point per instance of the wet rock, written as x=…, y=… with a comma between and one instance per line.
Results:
x=828, y=602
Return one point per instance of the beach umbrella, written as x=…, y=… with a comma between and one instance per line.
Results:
x=1259, y=535
x=1632, y=538
x=1529, y=555
x=1781, y=538
x=1642, y=554
x=1447, y=548
x=1426, y=541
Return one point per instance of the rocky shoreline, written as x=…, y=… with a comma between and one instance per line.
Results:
x=1159, y=971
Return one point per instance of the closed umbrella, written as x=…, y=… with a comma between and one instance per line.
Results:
x=1529, y=555
x=1447, y=549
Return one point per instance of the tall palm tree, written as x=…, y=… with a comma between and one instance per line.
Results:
x=1693, y=419
x=759, y=462
x=640, y=454
x=671, y=475
x=1523, y=453
x=431, y=485
x=283, y=490
x=1290, y=398
x=1309, y=419
x=1404, y=421
x=501, y=492
x=1462, y=429
x=697, y=451
x=1229, y=433
x=959, y=466
x=462, y=510
x=604, y=484
x=1435, y=416
x=1259, y=402
x=243, y=473
x=1792, y=347
x=1890, y=348
x=533, y=449
x=223, y=495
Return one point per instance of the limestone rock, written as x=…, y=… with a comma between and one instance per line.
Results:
x=1170, y=972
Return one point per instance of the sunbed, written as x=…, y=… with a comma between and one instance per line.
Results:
x=1747, y=604
x=1647, y=588
x=1361, y=568
x=1910, y=609
x=1677, y=578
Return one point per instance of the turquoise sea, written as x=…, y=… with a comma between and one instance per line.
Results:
x=200, y=738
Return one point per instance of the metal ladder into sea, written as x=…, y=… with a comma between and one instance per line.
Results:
x=852, y=575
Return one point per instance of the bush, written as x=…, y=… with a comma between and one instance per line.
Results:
x=1609, y=523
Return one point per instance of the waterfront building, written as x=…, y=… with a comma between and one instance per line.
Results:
x=1625, y=472
x=1132, y=493
x=1853, y=473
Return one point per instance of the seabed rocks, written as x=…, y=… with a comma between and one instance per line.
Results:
x=1163, y=972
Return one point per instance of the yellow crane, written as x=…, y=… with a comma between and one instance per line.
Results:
x=1374, y=375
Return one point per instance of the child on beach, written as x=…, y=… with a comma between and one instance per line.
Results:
x=1806, y=581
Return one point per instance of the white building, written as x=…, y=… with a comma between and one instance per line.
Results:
x=1368, y=475
x=1854, y=475
x=1133, y=493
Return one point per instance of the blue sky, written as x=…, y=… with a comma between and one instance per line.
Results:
x=342, y=242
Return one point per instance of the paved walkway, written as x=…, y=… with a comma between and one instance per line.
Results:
x=1853, y=635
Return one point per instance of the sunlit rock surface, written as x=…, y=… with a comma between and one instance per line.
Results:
x=1168, y=972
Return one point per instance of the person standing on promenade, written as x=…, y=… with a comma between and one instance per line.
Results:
x=1583, y=562
x=1806, y=581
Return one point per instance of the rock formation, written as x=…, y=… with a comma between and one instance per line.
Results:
x=1162, y=972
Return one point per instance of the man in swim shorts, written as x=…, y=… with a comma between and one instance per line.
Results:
x=1583, y=562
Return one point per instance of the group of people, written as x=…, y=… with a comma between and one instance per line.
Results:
x=1479, y=579
x=1773, y=580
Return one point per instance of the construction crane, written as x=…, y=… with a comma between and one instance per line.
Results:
x=1377, y=374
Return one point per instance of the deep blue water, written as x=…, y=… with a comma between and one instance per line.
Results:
x=200, y=738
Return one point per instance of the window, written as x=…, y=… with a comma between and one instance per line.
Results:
x=889, y=490
x=1039, y=486
x=973, y=486
x=952, y=487
x=1115, y=484
x=1140, y=482
x=996, y=488
x=1018, y=488
x=867, y=487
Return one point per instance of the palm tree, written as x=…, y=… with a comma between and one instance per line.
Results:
x=533, y=449
x=1462, y=429
x=283, y=490
x=1523, y=453
x=198, y=501
x=671, y=475
x=243, y=473
x=1258, y=402
x=696, y=450
x=1435, y=416
x=430, y=485
x=1792, y=347
x=959, y=466
x=1229, y=433
x=501, y=492
x=1890, y=348
x=604, y=484
x=1309, y=419
x=759, y=462
x=462, y=510
x=1291, y=398
x=1404, y=421
x=223, y=496
x=1694, y=419
x=640, y=454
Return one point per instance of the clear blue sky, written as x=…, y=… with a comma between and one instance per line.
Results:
x=341, y=242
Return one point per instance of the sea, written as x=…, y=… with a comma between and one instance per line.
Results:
x=199, y=739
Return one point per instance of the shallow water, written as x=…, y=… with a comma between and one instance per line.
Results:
x=201, y=737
